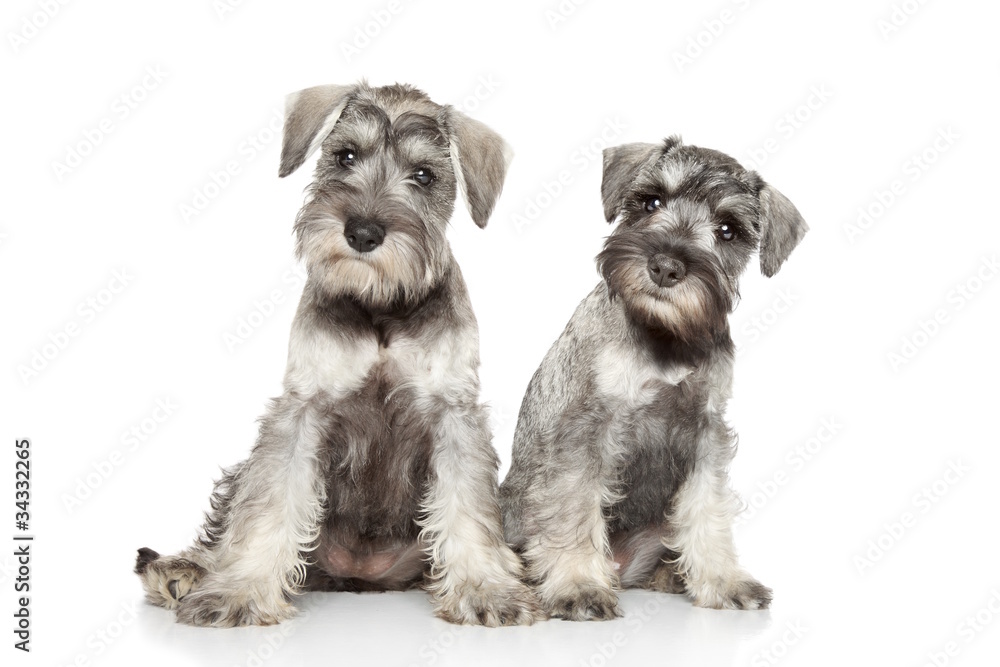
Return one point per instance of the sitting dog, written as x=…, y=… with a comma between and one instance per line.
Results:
x=619, y=473
x=374, y=470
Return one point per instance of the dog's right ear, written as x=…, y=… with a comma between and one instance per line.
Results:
x=622, y=164
x=480, y=158
x=310, y=115
x=782, y=227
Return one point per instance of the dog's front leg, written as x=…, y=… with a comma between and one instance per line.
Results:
x=700, y=531
x=566, y=544
x=268, y=516
x=475, y=577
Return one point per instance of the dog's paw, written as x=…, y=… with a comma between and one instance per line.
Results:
x=742, y=594
x=492, y=605
x=214, y=609
x=666, y=579
x=585, y=603
x=167, y=579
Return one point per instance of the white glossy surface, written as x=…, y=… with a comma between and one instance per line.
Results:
x=815, y=340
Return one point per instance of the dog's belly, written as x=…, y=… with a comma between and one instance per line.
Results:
x=648, y=481
x=638, y=521
x=659, y=454
x=636, y=554
x=357, y=566
x=378, y=449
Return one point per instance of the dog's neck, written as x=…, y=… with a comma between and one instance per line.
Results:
x=386, y=320
x=669, y=349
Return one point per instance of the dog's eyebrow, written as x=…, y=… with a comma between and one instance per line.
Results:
x=712, y=186
x=363, y=126
x=648, y=184
x=736, y=203
x=415, y=125
x=370, y=113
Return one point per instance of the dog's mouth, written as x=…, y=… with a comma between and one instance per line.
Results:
x=368, y=257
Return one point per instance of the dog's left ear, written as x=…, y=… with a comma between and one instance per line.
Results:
x=622, y=165
x=310, y=115
x=782, y=227
x=480, y=158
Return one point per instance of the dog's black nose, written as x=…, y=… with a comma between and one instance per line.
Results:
x=363, y=235
x=666, y=271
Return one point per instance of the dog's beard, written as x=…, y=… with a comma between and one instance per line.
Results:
x=694, y=311
x=401, y=270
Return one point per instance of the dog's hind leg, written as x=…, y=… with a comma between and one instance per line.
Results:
x=265, y=518
x=666, y=578
x=168, y=579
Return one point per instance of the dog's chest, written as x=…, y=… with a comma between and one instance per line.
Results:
x=342, y=366
x=632, y=381
x=381, y=434
x=660, y=415
x=378, y=451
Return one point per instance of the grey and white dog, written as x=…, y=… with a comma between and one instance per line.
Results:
x=619, y=474
x=375, y=469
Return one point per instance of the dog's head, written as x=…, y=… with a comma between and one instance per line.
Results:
x=391, y=162
x=689, y=219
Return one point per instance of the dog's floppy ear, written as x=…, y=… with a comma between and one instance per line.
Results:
x=480, y=158
x=782, y=227
x=310, y=115
x=622, y=165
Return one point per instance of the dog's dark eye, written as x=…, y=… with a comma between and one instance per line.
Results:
x=423, y=176
x=346, y=157
x=653, y=203
x=727, y=232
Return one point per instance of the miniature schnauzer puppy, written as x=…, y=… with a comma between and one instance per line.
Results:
x=375, y=469
x=619, y=473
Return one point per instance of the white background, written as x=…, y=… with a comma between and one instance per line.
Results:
x=815, y=341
